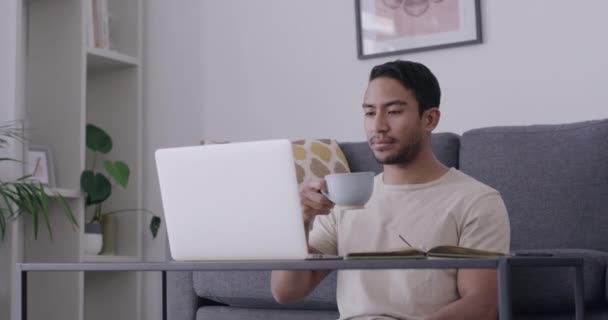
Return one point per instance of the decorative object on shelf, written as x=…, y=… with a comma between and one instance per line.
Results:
x=93, y=240
x=98, y=24
x=392, y=27
x=40, y=165
x=24, y=195
x=98, y=188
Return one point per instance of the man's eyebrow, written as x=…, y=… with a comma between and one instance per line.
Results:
x=394, y=102
x=387, y=104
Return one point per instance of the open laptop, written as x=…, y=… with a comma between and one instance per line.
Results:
x=236, y=201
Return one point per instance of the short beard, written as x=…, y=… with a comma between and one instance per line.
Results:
x=406, y=155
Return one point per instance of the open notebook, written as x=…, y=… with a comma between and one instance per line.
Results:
x=444, y=251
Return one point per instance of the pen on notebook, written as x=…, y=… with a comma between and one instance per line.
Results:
x=405, y=241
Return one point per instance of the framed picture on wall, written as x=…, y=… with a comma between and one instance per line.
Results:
x=392, y=27
x=40, y=165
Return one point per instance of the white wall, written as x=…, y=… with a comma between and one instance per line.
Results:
x=172, y=107
x=289, y=68
x=243, y=70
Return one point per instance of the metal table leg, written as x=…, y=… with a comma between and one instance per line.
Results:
x=164, y=293
x=504, y=289
x=579, y=298
x=24, y=295
x=20, y=294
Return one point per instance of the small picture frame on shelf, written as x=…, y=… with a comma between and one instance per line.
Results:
x=40, y=165
x=396, y=27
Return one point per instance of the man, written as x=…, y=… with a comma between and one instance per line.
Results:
x=416, y=197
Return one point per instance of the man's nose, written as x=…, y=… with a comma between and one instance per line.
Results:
x=380, y=123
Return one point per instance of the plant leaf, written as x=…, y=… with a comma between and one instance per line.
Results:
x=40, y=196
x=2, y=224
x=26, y=205
x=39, y=201
x=8, y=202
x=24, y=177
x=97, y=186
x=97, y=139
x=68, y=211
x=88, y=202
x=119, y=171
x=154, y=225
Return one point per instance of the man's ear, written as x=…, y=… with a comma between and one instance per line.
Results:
x=430, y=118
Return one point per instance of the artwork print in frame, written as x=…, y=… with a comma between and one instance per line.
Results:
x=40, y=165
x=393, y=27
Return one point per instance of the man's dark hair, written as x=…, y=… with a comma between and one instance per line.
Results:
x=414, y=76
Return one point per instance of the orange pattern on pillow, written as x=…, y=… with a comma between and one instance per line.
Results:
x=318, y=158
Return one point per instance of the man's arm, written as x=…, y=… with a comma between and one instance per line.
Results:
x=289, y=286
x=478, y=290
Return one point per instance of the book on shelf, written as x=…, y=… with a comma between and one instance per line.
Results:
x=444, y=251
x=98, y=24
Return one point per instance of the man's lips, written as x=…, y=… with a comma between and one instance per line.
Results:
x=382, y=146
x=382, y=143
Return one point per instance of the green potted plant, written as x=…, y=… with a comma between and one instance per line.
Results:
x=23, y=195
x=97, y=187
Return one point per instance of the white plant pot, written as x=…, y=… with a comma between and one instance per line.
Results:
x=93, y=243
x=93, y=239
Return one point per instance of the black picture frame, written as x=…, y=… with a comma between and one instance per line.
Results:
x=471, y=32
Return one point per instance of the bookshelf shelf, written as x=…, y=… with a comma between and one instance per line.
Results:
x=66, y=193
x=103, y=59
x=109, y=258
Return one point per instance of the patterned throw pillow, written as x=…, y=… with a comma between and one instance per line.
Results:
x=318, y=158
x=314, y=159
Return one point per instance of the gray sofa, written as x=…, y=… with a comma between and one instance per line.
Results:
x=554, y=180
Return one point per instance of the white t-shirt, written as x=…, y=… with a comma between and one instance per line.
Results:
x=452, y=210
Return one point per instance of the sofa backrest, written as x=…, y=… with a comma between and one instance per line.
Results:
x=360, y=157
x=553, y=179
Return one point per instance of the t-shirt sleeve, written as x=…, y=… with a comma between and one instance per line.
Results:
x=486, y=225
x=324, y=235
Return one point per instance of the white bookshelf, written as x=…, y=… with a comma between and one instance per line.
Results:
x=68, y=84
x=103, y=59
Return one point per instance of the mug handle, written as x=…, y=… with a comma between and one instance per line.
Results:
x=327, y=196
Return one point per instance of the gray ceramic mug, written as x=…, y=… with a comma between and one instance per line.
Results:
x=350, y=190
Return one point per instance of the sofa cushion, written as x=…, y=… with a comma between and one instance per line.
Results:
x=590, y=314
x=552, y=289
x=360, y=157
x=182, y=301
x=226, y=313
x=252, y=289
x=553, y=179
x=318, y=158
x=446, y=146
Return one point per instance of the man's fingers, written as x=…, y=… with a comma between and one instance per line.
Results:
x=313, y=202
x=314, y=186
x=307, y=203
x=316, y=196
x=319, y=197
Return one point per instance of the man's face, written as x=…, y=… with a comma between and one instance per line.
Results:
x=392, y=122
